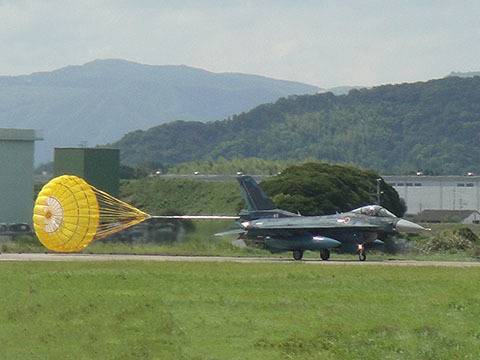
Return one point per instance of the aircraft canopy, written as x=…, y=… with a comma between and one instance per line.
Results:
x=374, y=210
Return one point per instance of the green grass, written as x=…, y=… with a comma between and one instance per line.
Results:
x=159, y=196
x=175, y=310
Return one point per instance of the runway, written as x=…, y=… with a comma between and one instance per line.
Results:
x=14, y=257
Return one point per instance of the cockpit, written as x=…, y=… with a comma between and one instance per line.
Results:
x=373, y=210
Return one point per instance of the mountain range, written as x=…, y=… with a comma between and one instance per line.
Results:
x=101, y=101
x=465, y=74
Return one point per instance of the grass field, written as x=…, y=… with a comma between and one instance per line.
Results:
x=174, y=310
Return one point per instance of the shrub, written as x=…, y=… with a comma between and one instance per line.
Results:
x=460, y=238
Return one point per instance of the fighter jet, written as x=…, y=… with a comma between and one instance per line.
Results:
x=276, y=230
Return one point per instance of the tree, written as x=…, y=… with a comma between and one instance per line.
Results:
x=319, y=189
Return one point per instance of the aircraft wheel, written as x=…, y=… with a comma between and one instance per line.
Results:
x=362, y=256
x=297, y=254
x=325, y=254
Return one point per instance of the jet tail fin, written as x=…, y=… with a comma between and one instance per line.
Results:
x=254, y=195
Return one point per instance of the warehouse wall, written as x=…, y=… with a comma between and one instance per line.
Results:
x=437, y=192
x=100, y=167
x=16, y=175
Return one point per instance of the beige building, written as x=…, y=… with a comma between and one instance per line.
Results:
x=437, y=192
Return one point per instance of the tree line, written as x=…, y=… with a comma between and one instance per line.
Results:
x=433, y=127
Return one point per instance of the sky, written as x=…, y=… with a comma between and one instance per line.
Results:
x=327, y=43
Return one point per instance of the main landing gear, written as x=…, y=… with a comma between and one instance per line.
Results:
x=325, y=254
x=361, y=252
x=297, y=254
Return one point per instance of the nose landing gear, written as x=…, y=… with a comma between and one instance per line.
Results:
x=361, y=252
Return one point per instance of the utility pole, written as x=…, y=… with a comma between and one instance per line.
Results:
x=378, y=190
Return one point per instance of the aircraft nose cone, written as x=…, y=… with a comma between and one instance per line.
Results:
x=408, y=226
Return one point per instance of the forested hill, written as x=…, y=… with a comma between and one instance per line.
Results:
x=465, y=74
x=102, y=100
x=432, y=127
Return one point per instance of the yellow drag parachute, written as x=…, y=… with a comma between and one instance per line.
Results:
x=69, y=214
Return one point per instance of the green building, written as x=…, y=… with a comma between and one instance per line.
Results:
x=100, y=167
x=16, y=175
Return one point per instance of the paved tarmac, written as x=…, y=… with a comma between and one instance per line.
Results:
x=119, y=257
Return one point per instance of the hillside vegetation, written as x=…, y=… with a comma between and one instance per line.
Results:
x=178, y=196
x=223, y=166
x=433, y=127
x=310, y=188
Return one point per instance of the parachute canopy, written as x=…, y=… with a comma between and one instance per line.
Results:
x=69, y=214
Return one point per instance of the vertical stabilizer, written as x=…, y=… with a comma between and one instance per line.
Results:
x=254, y=195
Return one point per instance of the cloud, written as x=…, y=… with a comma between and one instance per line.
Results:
x=326, y=43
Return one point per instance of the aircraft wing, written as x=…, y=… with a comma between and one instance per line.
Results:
x=299, y=224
